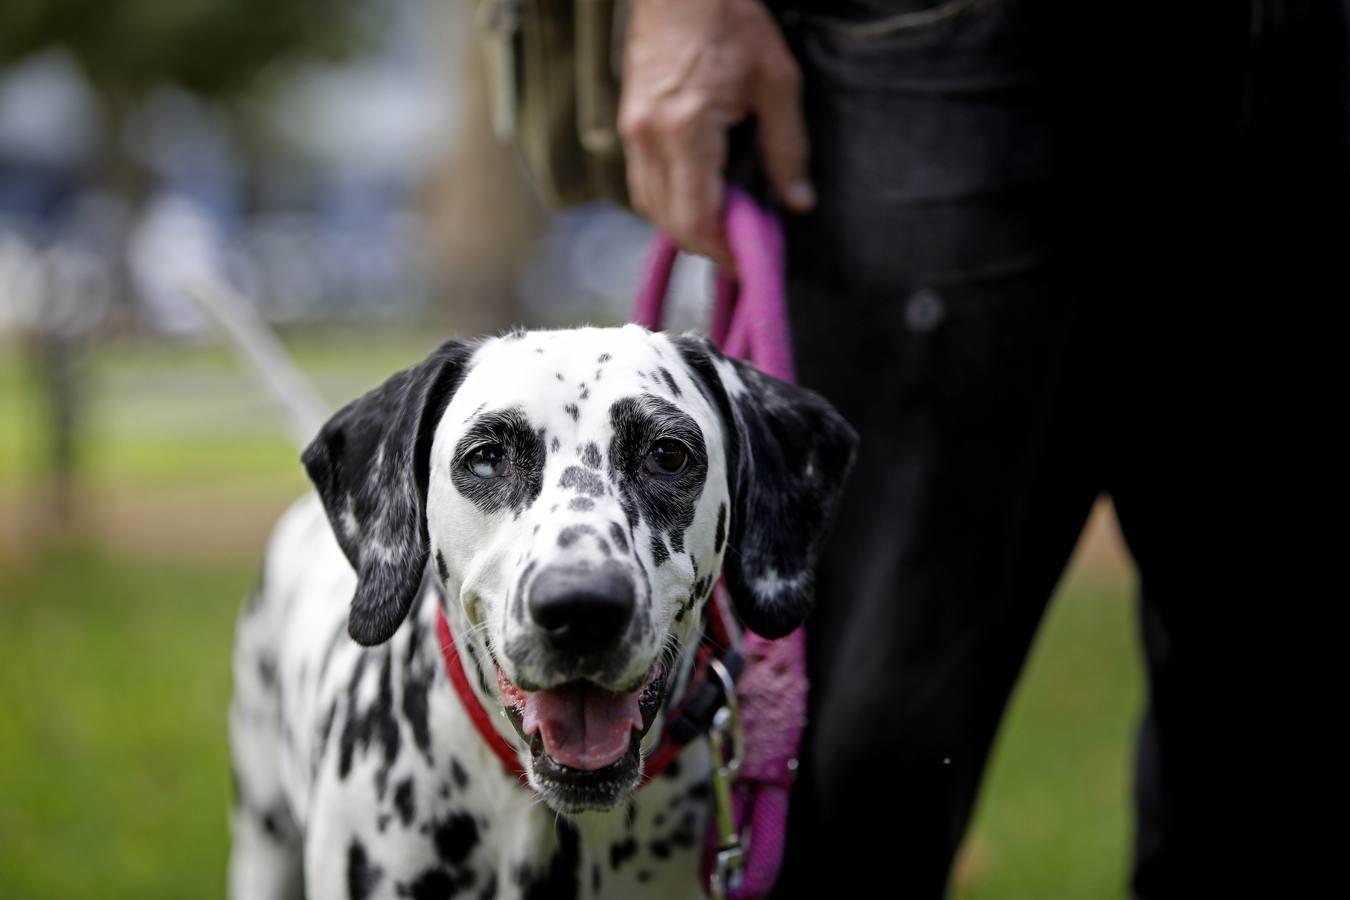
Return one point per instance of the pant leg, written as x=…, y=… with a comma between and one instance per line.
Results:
x=1234, y=764
x=936, y=299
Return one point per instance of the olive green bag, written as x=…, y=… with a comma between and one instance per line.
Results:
x=553, y=77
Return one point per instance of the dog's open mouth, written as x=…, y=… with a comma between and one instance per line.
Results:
x=584, y=739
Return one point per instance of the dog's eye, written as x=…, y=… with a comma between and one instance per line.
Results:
x=667, y=457
x=487, y=461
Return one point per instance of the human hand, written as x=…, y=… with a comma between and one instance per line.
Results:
x=692, y=70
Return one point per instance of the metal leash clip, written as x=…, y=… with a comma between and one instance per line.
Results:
x=726, y=729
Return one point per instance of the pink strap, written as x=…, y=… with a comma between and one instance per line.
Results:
x=749, y=316
x=749, y=321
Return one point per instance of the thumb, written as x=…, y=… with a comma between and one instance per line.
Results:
x=782, y=138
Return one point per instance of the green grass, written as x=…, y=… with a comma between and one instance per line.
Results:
x=1053, y=818
x=114, y=681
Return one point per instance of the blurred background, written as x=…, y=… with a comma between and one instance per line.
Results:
x=330, y=166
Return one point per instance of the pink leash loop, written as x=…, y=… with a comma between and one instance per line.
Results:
x=749, y=320
x=749, y=316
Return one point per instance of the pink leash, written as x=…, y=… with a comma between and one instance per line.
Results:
x=749, y=321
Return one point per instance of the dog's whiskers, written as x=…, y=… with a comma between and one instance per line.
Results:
x=671, y=650
x=475, y=630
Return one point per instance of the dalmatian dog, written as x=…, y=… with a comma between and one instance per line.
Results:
x=566, y=500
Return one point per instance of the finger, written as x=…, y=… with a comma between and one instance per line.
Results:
x=696, y=196
x=782, y=136
x=641, y=178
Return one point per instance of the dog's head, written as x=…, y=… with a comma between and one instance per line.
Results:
x=579, y=492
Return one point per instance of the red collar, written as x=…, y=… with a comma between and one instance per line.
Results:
x=665, y=753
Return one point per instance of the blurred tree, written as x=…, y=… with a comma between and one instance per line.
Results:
x=210, y=47
x=483, y=213
x=215, y=49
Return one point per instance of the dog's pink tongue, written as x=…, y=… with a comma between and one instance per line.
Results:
x=583, y=726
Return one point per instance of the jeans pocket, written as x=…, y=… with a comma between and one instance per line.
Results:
x=957, y=46
x=947, y=104
x=901, y=26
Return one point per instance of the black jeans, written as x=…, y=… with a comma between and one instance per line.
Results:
x=1052, y=254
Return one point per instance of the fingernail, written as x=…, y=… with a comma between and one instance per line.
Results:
x=800, y=195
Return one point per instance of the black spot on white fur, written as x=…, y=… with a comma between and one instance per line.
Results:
x=569, y=535
x=658, y=546
x=363, y=876
x=405, y=804
x=620, y=540
x=590, y=455
x=455, y=838
x=582, y=481
x=437, y=884
x=419, y=675
x=559, y=881
x=275, y=823
x=267, y=672
x=373, y=725
x=669, y=380
x=621, y=852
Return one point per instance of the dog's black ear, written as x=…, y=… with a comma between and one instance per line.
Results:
x=370, y=463
x=788, y=456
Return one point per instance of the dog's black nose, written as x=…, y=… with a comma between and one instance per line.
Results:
x=583, y=609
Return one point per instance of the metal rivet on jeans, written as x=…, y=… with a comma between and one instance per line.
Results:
x=924, y=310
